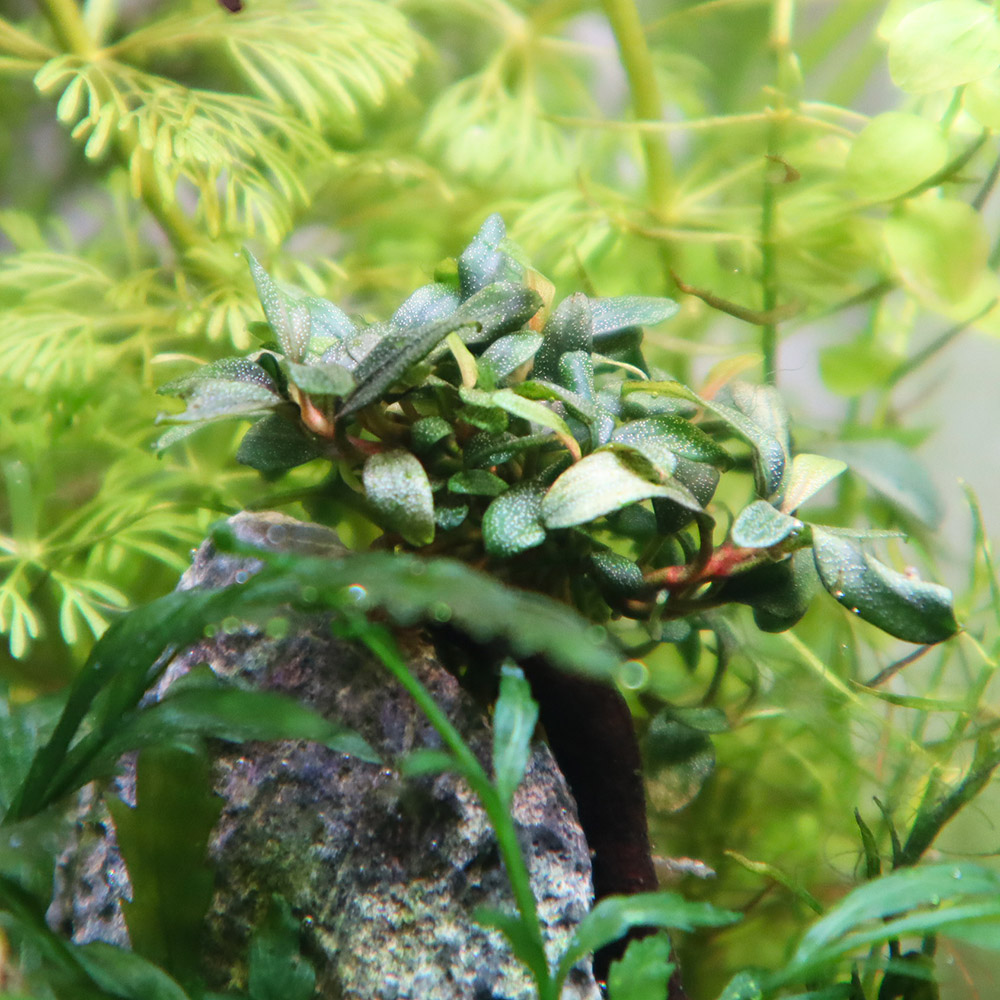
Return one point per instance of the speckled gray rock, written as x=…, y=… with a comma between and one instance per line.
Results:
x=384, y=874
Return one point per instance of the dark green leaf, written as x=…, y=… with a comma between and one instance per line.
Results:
x=569, y=328
x=668, y=434
x=495, y=449
x=491, y=419
x=763, y=405
x=289, y=317
x=329, y=323
x=320, y=378
x=905, y=607
x=624, y=311
x=514, y=720
x=643, y=972
x=508, y=353
x=779, y=593
x=896, y=473
x=576, y=373
x=496, y=310
x=477, y=482
x=274, y=444
x=512, y=522
x=768, y=451
x=600, y=483
x=679, y=759
x=449, y=516
x=519, y=406
x=427, y=432
x=277, y=970
x=760, y=526
x=166, y=833
x=482, y=262
x=228, y=714
x=232, y=387
x=744, y=986
x=614, y=916
x=616, y=574
x=398, y=489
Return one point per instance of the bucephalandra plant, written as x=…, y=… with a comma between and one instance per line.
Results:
x=487, y=421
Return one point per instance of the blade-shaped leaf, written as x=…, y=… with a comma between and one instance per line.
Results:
x=398, y=489
x=289, y=317
x=514, y=720
x=512, y=523
x=905, y=607
x=760, y=526
x=601, y=483
x=527, y=409
x=167, y=832
x=426, y=304
x=523, y=943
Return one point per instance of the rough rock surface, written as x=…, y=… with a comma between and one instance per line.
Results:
x=384, y=874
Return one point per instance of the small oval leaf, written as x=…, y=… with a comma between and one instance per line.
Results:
x=760, y=526
x=398, y=489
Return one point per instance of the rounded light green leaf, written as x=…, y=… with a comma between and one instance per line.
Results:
x=894, y=153
x=944, y=44
x=939, y=246
x=601, y=483
x=901, y=605
x=982, y=101
x=398, y=489
x=760, y=526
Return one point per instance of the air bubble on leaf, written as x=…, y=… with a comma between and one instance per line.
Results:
x=211, y=631
x=308, y=920
x=838, y=593
x=231, y=625
x=633, y=674
x=441, y=612
x=357, y=593
x=310, y=594
x=242, y=576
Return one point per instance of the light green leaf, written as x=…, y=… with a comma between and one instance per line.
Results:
x=514, y=720
x=643, y=972
x=808, y=475
x=907, y=608
x=527, y=409
x=398, y=489
x=614, y=916
x=123, y=973
x=512, y=523
x=289, y=317
x=939, y=246
x=760, y=526
x=854, y=368
x=893, y=153
x=523, y=941
x=601, y=483
x=944, y=44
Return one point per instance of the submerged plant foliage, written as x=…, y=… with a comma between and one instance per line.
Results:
x=484, y=418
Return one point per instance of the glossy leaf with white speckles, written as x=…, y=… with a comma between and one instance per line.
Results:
x=570, y=328
x=512, y=523
x=232, y=387
x=759, y=526
x=289, y=317
x=625, y=311
x=602, y=483
x=897, y=603
x=508, y=353
x=807, y=476
x=400, y=493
